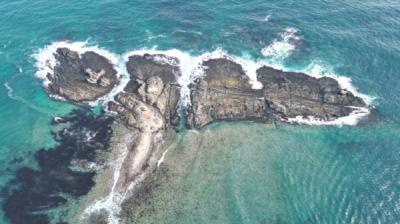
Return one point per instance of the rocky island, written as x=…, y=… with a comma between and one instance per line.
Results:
x=149, y=105
x=224, y=93
x=80, y=78
x=150, y=99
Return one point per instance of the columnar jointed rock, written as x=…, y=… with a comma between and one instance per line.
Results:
x=83, y=77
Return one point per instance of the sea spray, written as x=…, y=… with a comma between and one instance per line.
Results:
x=111, y=203
x=282, y=46
x=318, y=69
x=267, y=18
x=46, y=62
x=191, y=67
x=352, y=119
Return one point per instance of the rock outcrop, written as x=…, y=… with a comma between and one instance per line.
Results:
x=148, y=105
x=225, y=94
x=80, y=78
x=153, y=81
x=290, y=94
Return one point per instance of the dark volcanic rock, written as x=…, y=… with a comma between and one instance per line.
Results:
x=83, y=77
x=146, y=66
x=148, y=106
x=226, y=94
x=227, y=74
x=291, y=94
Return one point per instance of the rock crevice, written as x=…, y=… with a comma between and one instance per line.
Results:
x=149, y=103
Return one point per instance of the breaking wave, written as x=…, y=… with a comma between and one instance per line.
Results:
x=282, y=46
x=266, y=18
x=352, y=119
x=191, y=67
x=46, y=62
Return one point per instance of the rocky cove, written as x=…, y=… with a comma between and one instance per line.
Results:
x=149, y=107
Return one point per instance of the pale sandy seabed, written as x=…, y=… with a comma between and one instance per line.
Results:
x=162, y=195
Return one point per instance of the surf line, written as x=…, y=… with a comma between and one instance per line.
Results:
x=191, y=68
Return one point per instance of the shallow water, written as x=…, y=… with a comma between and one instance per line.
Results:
x=285, y=174
x=314, y=174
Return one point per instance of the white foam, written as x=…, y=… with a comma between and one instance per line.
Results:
x=124, y=78
x=266, y=18
x=188, y=31
x=191, y=67
x=318, y=70
x=10, y=91
x=282, y=46
x=161, y=160
x=111, y=203
x=151, y=36
x=162, y=59
x=46, y=62
x=352, y=119
x=250, y=68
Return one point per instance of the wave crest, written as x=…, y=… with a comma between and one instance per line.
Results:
x=46, y=62
x=282, y=46
x=191, y=68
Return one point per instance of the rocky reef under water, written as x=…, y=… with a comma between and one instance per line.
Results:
x=150, y=106
x=64, y=172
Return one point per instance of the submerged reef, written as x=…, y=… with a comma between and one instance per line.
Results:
x=150, y=106
x=65, y=171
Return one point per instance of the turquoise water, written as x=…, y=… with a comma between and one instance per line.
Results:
x=263, y=174
x=313, y=170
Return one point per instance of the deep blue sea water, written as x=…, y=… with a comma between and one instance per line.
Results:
x=292, y=174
